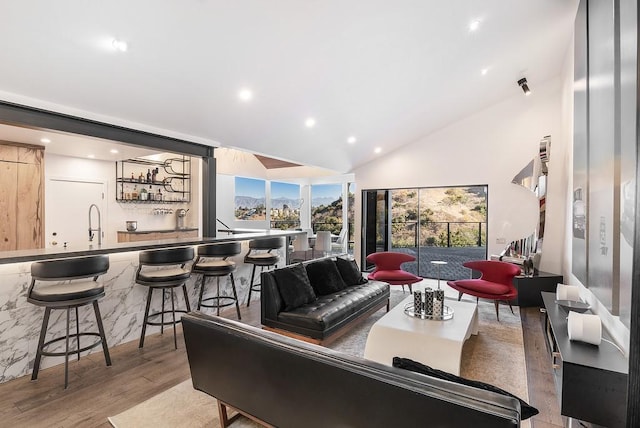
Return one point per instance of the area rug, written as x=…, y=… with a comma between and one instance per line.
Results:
x=180, y=406
x=495, y=355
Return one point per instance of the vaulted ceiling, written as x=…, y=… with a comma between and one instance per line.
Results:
x=386, y=73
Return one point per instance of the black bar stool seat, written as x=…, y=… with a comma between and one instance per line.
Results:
x=261, y=254
x=75, y=291
x=167, y=272
x=217, y=267
x=71, y=294
x=163, y=277
x=262, y=259
x=213, y=261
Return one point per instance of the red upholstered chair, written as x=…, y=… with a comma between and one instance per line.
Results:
x=388, y=268
x=496, y=282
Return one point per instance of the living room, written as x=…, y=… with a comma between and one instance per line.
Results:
x=492, y=136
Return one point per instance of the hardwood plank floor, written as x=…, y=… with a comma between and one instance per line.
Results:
x=542, y=390
x=96, y=391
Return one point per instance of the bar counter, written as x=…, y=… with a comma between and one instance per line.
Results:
x=122, y=307
x=88, y=250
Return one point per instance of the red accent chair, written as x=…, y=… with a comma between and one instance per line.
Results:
x=388, y=268
x=496, y=282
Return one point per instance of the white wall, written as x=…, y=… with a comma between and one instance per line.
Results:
x=116, y=214
x=490, y=147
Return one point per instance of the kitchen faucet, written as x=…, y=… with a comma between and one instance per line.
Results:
x=99, y=229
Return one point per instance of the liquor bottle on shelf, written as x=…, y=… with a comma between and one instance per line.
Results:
x=141, y=177
x=154, y=172
x=151, y=195
x=132, y=177
x=134, y=193
x=143, y=194
x=149, y=175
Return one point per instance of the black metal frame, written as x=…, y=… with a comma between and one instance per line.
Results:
x=31, y=117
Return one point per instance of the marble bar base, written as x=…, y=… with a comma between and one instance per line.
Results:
x=122, y=309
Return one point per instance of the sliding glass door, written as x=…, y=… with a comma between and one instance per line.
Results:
x=437, y=223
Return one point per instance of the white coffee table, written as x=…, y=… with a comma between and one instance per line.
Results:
x=435, y=343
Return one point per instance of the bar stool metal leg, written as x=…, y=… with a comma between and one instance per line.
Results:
x=162, y=313
x=186, y=297
x=105, y=348
x=66, y=352
x=253, y=273
x=43, y=333
x=201, y=291
x=173, y=315
x=235, y=295
x=77, y=332
x=146, y=315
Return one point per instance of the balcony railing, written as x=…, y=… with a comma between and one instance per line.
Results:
x=438, y=234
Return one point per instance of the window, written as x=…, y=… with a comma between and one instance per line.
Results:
x=250, y=199
x=285, y=205
x=326, y=207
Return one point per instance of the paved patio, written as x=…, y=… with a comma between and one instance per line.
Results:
x=454, y=256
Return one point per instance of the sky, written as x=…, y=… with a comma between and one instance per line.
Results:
x=250, y=187
x=284, y=190
x=324, y=190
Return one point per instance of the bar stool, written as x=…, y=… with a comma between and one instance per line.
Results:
x=220, y=267
x=260, y=254
x=166, y=279
x=68, y=296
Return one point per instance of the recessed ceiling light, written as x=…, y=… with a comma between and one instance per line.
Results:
x=474, y=25
x=377, y=150
x=310, y=122
x=351, y=140
x=45, y=140
x=484, y=71
x=119, y=45
x=91, y=156
x=245, y=94
x=114, y=151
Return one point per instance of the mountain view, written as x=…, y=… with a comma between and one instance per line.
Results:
x=248, y=202
x=279, y=203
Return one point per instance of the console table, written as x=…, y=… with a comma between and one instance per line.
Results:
x=591, y=380
x=530, y=287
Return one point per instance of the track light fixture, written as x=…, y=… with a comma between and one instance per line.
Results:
x=523, y=84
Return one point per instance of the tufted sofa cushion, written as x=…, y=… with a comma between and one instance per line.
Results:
x=350, y=271
x=294, y=286
x=328, y=311
x=325, y=277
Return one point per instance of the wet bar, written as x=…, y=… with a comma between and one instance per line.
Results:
x=122, y=307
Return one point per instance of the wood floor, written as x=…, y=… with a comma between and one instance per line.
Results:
x=96, y=391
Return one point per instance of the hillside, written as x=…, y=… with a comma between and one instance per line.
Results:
x=461, y=209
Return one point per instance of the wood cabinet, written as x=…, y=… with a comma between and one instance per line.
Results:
x=156, y=235
x=21, y=197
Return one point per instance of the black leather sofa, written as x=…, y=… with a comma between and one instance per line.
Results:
x=328, y=314
x=284, y=382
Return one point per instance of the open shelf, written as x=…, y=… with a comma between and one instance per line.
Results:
x=171, y=176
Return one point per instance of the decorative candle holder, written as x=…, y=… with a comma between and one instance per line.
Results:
x=438, y=302
x=418, y=305
x=428, y=301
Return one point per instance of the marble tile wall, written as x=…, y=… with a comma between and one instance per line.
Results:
x=122, y=310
